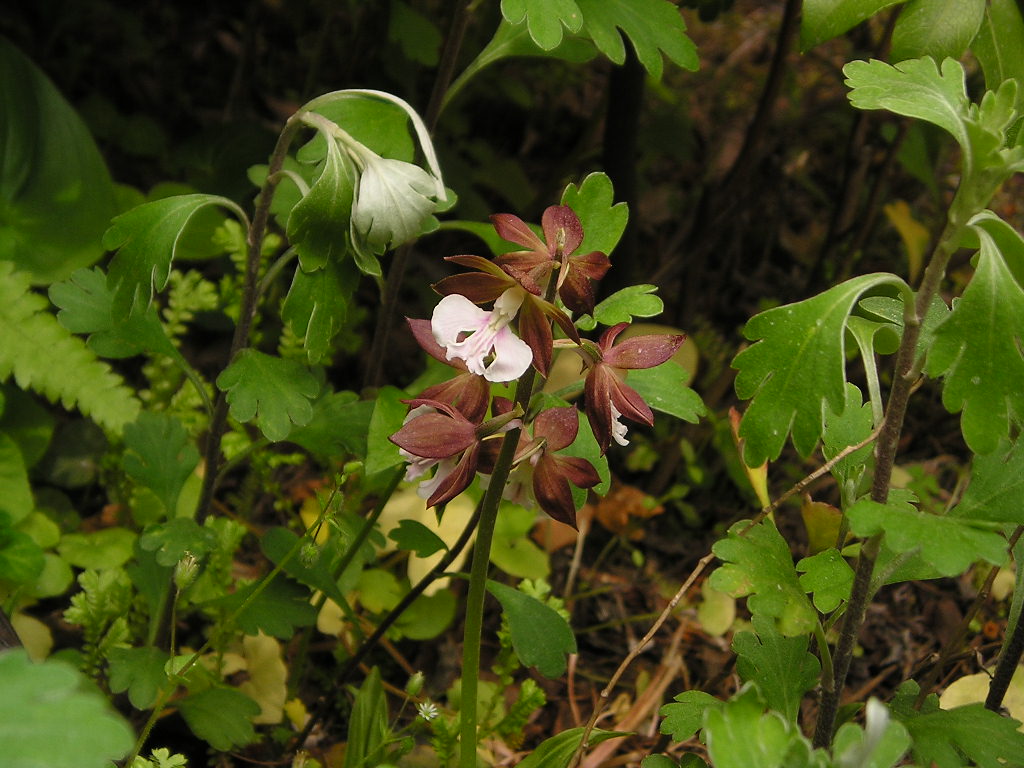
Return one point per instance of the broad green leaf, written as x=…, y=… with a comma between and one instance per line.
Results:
x=541, y=638
x=146, y=240
x=427, y=617
x=948, y=544
x=963, y=736
x=654, y=27
x=544, y=19
x=622, y=306
x=663, y=388
x=556, y=751
x=317, y=304
x=760, y=565
x=512, y=550
x=936, y=28
x=220, y=716
x=781, y=667
x=98, y=550
x=849, y=427
x=977, y=349
x=159, y=456
x=416, y=34
x=318, y=226
x=415, y=537
x=388, y=415
x=368, y=726
x=828, y=577
x=15, y=493
x=999, y=47
x=379, y=590
x=740, y=734
x=274, y=391
x=21, y=558
x=277, y=542
x=603, y=222
x=339, y=427
x=50, y=716
x=685, y=716
x=86, y=306
x=172, y=540
x=797, y=368
x=278, y=610
x=26, y=422
x=997, y=487
x=56, y=195
x=822, y=20
x=140, y=671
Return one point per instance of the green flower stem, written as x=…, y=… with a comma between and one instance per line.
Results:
x=885, y=453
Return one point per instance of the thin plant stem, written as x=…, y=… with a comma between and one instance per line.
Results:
x=1008, y=661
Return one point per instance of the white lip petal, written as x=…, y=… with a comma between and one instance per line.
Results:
x=512, y=356
x=453, y=315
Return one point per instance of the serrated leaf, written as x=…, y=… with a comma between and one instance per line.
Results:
x=797, y=368
x=277, y=542
x=278, y=609
x=170, y=541
x=339, y=426
x=740, y=734
x=781, y=667
x=977, y=349
x=416, y=537
x=541, y=638
x=759, y=566
x=622, y=306
x=654, y=27
x=822, y=20
x=274, y=391
x=317, y=305
x=222, y=717
x=685, y=716
x=15, y=493
x=936, y=28
x=556, y=751
x=849, y=427
x=318, y=226
x=828, y=577
x=948, y=544
x=999, y=47
x=98, y=550
x=160, y=456
x=140, y=671
x=39, y=698
x=146, y=240
x=544, y=19
x=603, y=222
x=663, y=388
x=997, y=486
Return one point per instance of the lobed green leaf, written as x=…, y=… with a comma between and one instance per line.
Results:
x=544, y=19
x=277, y=393
x=781, y=667
x=603, y=221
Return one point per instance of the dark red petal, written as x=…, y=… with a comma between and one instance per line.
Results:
x=526, y=268
x=577, y=293
x=475, y=286
x=501, y=405
x=558, y=426
x=435, y=436
x=476, y=262
x=579, y=472
x=551, y=489
x=609, y=336
x=598, y=403
x=594, y=264
x=535, y=330
x=643, y=351
x=629, y=403
x=515, y=230
x=425, y=338
x=467, y=393
x=562, y=228
x=458, y=480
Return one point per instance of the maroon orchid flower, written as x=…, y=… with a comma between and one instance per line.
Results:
x=608, y=397
x=553, y=430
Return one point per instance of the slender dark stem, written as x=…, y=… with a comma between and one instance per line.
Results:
x=1008, y=661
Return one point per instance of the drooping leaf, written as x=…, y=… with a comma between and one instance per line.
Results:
x=822, y=20
x=98, y=550
x=947, y=543
x=663, y=389
x=140, y=671
x=997, y=486
x=936, y=28
x=317, y=304
x=741, y=734
x=160, y=456
x=556, y=751
x=654, y=27
x=146, y=240
x=797, y=368
x=603, y=221
x=275, y=391
x=319, y=223
x=781, y=667
x=339, y=426
x=171, y=541
x=220, y=716
x=544, y=19
x=55, y=191
x=278, y=609
x=828, y=577
x=368, y=726
x=541, y=638
x=48, y=707
x=416, y=537
x=623, y=305
x=759, y=566
x=977, y=349
x=685, y=716
x=15, y=492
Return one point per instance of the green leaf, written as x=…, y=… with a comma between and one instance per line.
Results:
x=317, y=304
x=999, y=47
x=797, y=368
x=556, y=751
x=740, y=734
x=890, y=309
x=541, y=638
x=997, y=486
x=159, y=456
x=622, y=306
x=936, y=28
x=15, y=492
x=828, y=577
x=664, y=390
x=849, y=427
x=949, y=544
x=278, y=609
x=140, y=671
x=274, y=391
x=56, y=195
x=222, y=717
x=86, y=306
x=170, y=541
x=318, y=226
x=660, y=761
x=98, y=550
x=414, y=536
x=603, y=222
x=759, y=564
x=822, y=20
x=26, y=422
x=31, y=340
x=427, y=617
x=339, y=427
x=388, y=415
x=368, y=726
x=414, y=33
x=512, y=550
x=977, y=349
x=654, y=27
x=146, y=240
x=277, y=542
x=544, y=19
x=686, y=716
x=50, y=716
x=781, y=666
x=21, y=558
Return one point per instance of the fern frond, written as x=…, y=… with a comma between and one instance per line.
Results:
x=45, y=357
